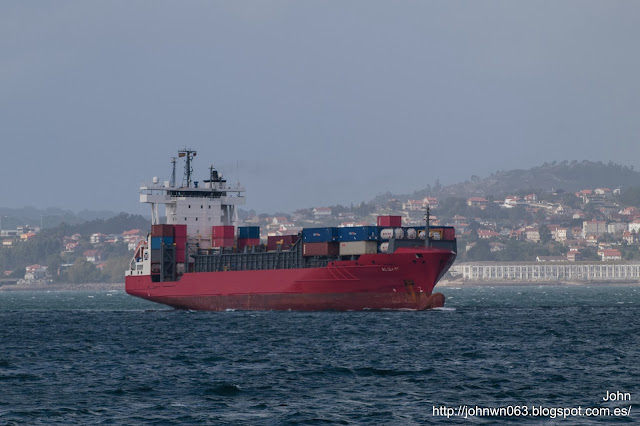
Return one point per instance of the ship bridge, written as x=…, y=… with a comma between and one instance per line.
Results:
x=199, y=205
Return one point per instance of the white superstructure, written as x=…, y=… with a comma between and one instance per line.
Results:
x=199, y=205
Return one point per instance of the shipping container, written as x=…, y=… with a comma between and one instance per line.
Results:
x=223, y=242
x=224, y=231
x=155, y=255
x=350, y=248
x=180, y=255
x=386, y=234
x=245, y=232
x=162, y=231
x=180, y=231
x=180, y=242
x=435, y=233
x=390, y=221
x=449, y=233
x=320, y=249
x=156, y=242
x=384, y=247
x=359, y=233
x=319, y=235
x=400, y=233
x=244, y=242
x=284, y=241
x=410, y=233
x=203, y=243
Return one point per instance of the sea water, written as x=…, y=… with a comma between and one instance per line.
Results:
x=108, y=358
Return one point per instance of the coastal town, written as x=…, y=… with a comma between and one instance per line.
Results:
x=587, y=225
x=550, y=228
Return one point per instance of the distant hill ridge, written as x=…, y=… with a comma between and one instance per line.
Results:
x=568, y=176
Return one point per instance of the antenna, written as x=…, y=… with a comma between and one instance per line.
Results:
x=173, y=172
x=427, y=218
x=189, y=154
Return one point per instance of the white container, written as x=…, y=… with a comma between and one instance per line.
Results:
x=386, y=234
x=411, y=234
x=349, y=248
x=384, y=247
x=398, y=233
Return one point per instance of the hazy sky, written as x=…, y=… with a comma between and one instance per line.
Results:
x=316, y=102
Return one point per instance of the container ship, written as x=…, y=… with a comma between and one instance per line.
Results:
x=200, y=259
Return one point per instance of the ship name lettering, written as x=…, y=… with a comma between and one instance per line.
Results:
x=390, y=269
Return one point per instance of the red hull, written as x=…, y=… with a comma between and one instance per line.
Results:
x=402, y=280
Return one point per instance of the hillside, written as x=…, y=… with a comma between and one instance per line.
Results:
x=50, y=217
x=568, y=176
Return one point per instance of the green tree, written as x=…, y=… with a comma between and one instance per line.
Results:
x=18, y=272
x=590, y=253
x=540, y=216
x=481, y=251
x=629, y=252
x=118, y=249
x=113, y=225
x=557, y=249
x=53, y=264
x=83, y=271
x=115, y=267
x=473, y=227
x=630, y=196
x=545, y=234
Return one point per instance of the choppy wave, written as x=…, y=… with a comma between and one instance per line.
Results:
x=72, y=359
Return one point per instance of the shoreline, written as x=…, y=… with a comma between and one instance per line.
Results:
x=441, y=284
x=64, y=287
x=449, y=284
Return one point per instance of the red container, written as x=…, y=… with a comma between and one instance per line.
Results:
x=390, y=221
x=449, y=234
x=242, y=243
x=180, y=255
x=223, y=242
x=180, y=242
x=224, y=232
x=285, y=241
x=180, y=231
x=320, y=249
x=162, y=230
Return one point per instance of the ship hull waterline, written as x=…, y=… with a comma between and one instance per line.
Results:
x=398, y=281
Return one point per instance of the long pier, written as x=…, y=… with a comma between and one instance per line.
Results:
x=547, y=271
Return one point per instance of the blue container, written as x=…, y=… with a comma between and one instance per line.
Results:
x=248, y=232
x=360, y=233
x=319, y=235
x=156, y=242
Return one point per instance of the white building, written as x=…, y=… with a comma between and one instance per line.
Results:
x=546, y=272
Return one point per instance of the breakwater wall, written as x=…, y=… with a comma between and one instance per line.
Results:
x=546, y=271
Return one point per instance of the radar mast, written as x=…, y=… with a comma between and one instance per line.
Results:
x=173, y=172
x=189, y=154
